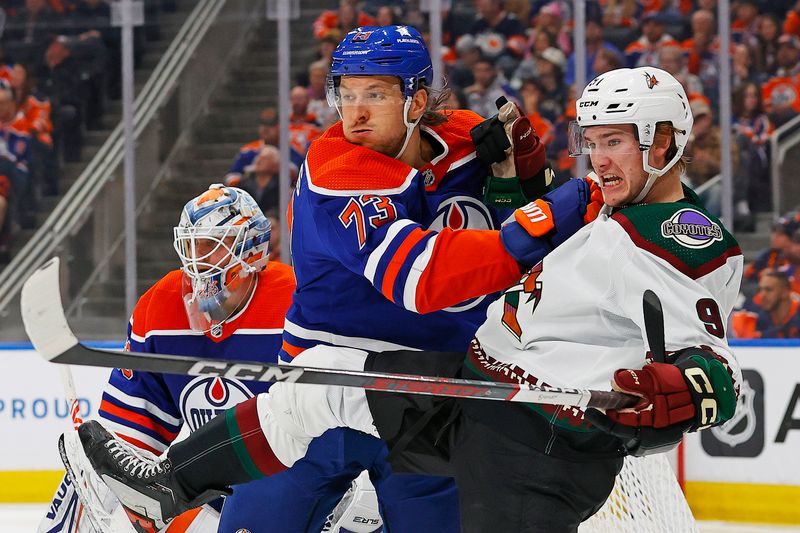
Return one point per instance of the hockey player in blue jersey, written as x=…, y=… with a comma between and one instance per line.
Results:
x=227, y=301
x=392, y=245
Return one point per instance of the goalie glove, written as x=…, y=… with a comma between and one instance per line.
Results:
x=509, y=144
x=542, y=225
x=696, y=392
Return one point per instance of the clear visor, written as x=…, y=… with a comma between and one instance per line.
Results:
x=209, y=303
x=360, y=91
x=610, y=140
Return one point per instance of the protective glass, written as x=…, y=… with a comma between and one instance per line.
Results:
x=377, y=95
x=611, y=140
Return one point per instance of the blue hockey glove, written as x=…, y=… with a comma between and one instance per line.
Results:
x=543, y=224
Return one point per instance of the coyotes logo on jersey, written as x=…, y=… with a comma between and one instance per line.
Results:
x=530, y=285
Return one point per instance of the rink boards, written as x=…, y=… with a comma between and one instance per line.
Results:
x=748, y=471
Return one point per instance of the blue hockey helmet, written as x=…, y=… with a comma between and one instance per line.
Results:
x=382, y=51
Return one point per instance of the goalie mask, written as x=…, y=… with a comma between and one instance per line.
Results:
x=397, y=51
x=642, y=97
x=222, y=240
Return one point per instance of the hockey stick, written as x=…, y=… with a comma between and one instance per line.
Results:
x=71, y=396
x=52, y=337
x=654, y=325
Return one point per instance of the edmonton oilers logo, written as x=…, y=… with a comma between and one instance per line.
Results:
x=203, y=398
x=692, y=229
x=461, y=212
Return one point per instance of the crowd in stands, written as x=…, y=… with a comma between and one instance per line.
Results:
x=771, y=287
x=60, y=62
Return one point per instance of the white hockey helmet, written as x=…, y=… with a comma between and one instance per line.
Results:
x=642, y=97
x=222, y=238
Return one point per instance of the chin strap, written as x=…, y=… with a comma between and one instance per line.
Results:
x=409, y=127
x=651, y=180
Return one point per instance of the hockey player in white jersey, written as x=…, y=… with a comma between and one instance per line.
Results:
x=573, y=320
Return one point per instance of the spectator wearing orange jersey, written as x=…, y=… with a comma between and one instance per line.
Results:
x=645, y=50
x=15, y=139
x=781, y=93
x=792, y=22
x=777, y=314
x=37, y=109
x=338, y=23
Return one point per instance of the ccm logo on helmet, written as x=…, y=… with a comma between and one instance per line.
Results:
x=589, y=104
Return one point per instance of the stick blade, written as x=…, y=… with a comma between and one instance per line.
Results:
x=43, y=313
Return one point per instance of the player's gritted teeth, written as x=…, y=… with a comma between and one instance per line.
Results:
x=610, y=180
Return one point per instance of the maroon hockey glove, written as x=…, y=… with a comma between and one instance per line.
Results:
x=693, y=393
x=509, y=143
x=666, y=399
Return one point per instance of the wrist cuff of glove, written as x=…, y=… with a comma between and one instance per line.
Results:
x=541, y=183
x=504, y=193
x=711, y=387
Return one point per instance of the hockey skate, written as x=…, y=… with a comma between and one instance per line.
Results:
x=145, y=486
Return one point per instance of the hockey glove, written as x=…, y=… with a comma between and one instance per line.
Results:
x=542, y=225
x=508, y=143
x=694, y=393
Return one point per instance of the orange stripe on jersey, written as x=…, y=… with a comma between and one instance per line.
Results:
x=292, y=350
x=182, y=522
x=387, y=287
x=333, y=163
x=476, y=255
x=139, y=444
x=136, y=418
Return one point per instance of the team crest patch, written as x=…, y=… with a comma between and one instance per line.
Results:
x=691, y=229
x=461, y=212
x=203, y=398
x=428, y=177
x=651, y=80
x=242, y=530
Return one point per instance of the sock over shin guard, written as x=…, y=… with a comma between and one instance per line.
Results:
x=228, y=450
